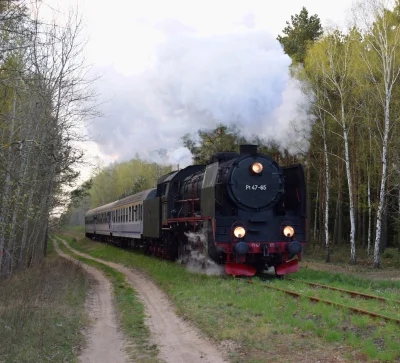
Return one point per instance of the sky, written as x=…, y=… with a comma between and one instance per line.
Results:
x=171, y=67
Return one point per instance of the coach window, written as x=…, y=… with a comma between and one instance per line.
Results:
x=140, y=213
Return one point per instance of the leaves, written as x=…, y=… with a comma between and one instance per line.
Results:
x=300, y=32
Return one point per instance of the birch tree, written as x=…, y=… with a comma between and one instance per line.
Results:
x=381, y=46
x=312, y=87
x=330, y=60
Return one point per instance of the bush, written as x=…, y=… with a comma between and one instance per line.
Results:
x=390, y=253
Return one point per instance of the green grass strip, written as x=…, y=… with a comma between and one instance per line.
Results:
x=130, y=311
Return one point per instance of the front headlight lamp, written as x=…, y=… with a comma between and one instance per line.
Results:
x=288, y=231
x=239, y=232
x=257, y=168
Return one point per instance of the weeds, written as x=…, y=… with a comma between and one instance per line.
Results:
x=42, y=312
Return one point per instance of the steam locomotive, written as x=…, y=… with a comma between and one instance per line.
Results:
x=247, y=212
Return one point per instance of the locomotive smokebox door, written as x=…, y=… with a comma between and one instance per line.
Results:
x=208, y=204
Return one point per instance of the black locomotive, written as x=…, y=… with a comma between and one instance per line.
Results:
x=247, y=212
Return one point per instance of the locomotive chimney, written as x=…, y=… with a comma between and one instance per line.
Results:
x=248, y=149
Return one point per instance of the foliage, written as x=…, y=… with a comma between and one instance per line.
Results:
x=120, y=180
x=79, y=193
x=45, y=96
x=299, y=33
x=225, y=138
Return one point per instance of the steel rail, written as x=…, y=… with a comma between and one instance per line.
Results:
x=316, y=299
x=350, y=292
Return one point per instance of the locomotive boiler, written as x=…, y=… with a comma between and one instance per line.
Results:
x=247, y=212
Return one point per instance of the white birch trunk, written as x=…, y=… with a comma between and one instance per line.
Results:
x=369, y=214
x=327, y=246
x=350, y=185
x=381, y=204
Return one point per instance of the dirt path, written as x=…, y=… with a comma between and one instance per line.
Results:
x=105, y=342
x=176, y=339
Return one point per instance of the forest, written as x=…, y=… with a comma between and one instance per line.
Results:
x=352, y=165
x=45, y=94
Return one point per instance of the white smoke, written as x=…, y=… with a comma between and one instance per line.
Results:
x=197, y=82
x=198, y=262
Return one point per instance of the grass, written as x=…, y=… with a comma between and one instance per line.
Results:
x=390, y=259
x=130, y=310
x=388, y=288
x=262, y=324
x=389, y=308
x=42, y=312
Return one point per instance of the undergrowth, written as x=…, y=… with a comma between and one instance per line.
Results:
x=42, y=312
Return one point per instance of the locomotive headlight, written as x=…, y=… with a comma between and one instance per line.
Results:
x=257, y=168
x=239, y=232
x=288, y=231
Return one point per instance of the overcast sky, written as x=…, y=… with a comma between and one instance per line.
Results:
x=171, y=67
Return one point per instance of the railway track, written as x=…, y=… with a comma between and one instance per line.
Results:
x=328, y=302
x=349, y=292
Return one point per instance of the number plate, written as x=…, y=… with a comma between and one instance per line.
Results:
x=256, y=187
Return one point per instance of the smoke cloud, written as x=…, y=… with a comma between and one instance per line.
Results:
x=197, y=82
x=198, y=262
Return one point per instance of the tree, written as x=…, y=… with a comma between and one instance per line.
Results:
x=300, y=32
x=330, y=61
x=381, y=56
x=45, y=96
x=222, y=138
